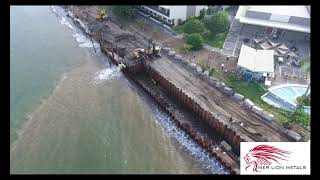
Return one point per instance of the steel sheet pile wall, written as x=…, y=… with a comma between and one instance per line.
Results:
x=223, y=130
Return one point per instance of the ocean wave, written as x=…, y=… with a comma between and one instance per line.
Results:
x=85, y=42
x=66, y=23
x=107, y=74
x=186, y=143
x=53, y=9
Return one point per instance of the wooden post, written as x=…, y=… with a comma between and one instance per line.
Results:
x=92, y=43
x=112, y=51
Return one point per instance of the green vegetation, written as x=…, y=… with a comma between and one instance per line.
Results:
x=217, y=22
x=193, y=26
x=180, y=22
x=216, y=41
x=195, y=40
x=304, y=100
x=141, y=24
x=123, y=11
x=212, y=28
x=184, y=48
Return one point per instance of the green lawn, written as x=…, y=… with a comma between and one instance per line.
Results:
x=215, y=41
x=252, y=91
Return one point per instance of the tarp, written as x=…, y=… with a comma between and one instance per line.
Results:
x=265, y=45
x=256, y=60
x=283, y=47
x=273, y=44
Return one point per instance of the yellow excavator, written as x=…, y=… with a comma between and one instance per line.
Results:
x=153, y=50
x=101, y=15
x=138, y=52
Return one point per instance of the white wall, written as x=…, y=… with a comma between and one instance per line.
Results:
x=177, y=12
x=199, y=8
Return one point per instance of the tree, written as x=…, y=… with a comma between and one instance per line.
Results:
x=193, y=26
x=123, y=11
x=300, y=117
x=202, y=13
x=217, y=23
x=195, y=40
x=180, y=22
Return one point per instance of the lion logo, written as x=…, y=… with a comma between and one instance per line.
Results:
x=264, y=155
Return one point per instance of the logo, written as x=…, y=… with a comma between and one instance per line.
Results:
x=264, y=155
x=274, y=158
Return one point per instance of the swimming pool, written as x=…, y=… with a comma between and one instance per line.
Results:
x=284, y=96
x=289, y=92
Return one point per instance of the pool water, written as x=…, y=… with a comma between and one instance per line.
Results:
x=289, y=93
x=284, y=96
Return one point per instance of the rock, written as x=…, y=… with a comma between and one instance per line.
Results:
x=228, y=91
x=193, y=65
x=267, y=116
x=172, y=53
x=257, y=109
x=166, y=49
x=248, y=103
x=199, y=69
x=238, y=96
x=184, y=60
x=206, y=73
x=178, y=57
x=293, y=135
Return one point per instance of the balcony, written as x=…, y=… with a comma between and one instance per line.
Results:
x=160, y=10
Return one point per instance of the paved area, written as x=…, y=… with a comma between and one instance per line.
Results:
x=154, y=22
x=230, y=44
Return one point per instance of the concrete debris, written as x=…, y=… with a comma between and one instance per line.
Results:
x=267, y=116
x=178, y=57
x=248, y=103
x=206, y=73
x=193, y=65
x=228, y=91
x=257, y=110
x=172, y=53
x=166, y=49
x=186, y=61
x=293, y=135
x=199, y=69
x=238, y=96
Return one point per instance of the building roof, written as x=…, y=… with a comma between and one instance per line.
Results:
x=256, y=60
x=300, y=11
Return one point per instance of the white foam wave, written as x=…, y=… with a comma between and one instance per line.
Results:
x=85, y=42
x=66, y=23
x=202, y=156
x=107, y=74
x=53, y=9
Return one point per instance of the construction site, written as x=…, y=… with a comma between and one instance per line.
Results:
x=205, y=109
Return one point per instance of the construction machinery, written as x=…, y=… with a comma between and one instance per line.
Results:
x=139, y=52
x=101, y=15
x=153, y=50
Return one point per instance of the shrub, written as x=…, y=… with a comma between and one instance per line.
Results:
x=180, y=22
x=123, y=11
x=195, y=40
x=217, y=23
x=193, y=26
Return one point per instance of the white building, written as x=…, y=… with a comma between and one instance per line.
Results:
x=254, y=63
x=170, y=14
x=276, y=20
